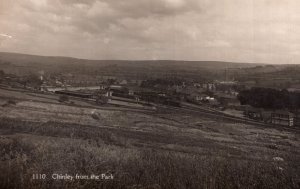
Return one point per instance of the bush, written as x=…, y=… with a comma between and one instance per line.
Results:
x=63, y=98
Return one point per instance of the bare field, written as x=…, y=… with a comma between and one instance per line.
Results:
x=141, y=149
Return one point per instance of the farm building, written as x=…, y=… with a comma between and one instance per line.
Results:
x=124, y=82
x=297, y=120
x=106, y=93
x=282, y=118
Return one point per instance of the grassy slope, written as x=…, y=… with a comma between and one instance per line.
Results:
x=141, y=150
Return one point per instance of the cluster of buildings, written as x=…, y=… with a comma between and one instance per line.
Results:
x=212, y=93
x=131, y=89
x=217, y=94
x=277, y=117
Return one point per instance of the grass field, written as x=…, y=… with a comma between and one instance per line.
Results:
x=140, y=149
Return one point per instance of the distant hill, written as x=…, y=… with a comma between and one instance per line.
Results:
x=22, y=64
x=37, y=61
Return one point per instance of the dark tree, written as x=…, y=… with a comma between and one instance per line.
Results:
x=270, y=98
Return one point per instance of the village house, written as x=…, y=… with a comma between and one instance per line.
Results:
x=209, y=86
x=200, y=97
x=282, y=118
x=297, y=119
x=198, y=85
x=123, y=82
x=294, y=88
x=136, y=82
x=106, y=93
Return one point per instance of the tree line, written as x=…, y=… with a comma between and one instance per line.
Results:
x=270, y=98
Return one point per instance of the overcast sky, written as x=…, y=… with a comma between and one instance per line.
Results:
x=265, y=31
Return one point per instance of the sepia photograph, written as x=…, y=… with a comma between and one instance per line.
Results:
x=149, y=94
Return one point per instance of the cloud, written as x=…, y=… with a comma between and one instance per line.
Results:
x=5, y=36
x=231, y=30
